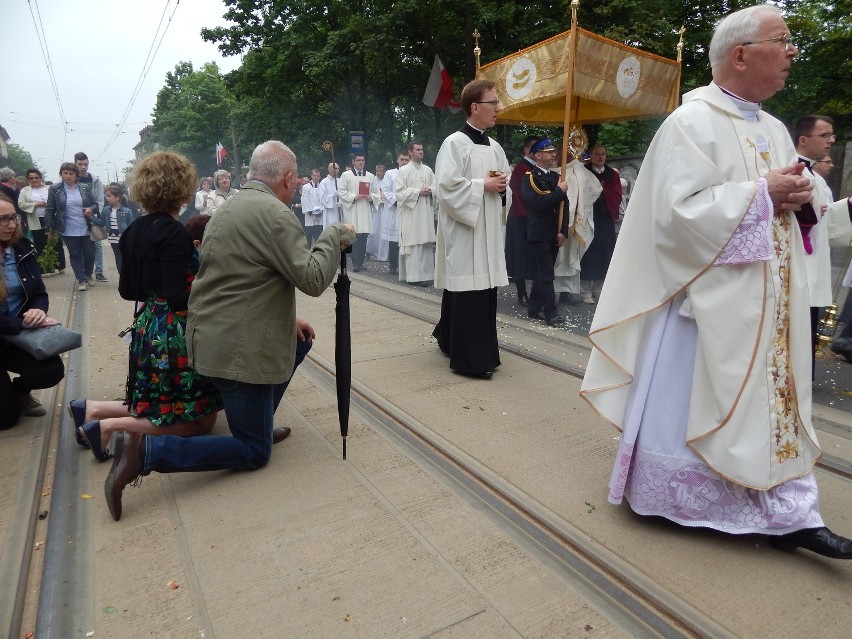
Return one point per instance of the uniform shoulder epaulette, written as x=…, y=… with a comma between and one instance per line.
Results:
x=535, y=187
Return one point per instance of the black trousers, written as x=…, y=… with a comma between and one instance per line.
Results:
x=32, y=373
x=313, y=233
x=393, y=256
x=543, y=295
x=359, y=250
x=467, y=330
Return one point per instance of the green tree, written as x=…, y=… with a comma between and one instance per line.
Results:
x=194, y=111
x=819, y=77
x=19, y=159
x=314, y=70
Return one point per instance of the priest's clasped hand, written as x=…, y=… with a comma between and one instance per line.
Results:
x=496, y=181
x=788, y=189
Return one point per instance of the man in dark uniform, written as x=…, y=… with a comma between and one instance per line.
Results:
x=543, y=192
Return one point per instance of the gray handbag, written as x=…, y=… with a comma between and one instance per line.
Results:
x=47, y=341
x=98, y=233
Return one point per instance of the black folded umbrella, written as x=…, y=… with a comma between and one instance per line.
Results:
x=343, y=349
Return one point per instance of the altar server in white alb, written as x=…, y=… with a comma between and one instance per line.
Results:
x=312, y=207
x=703, y=360
x=328, y=196
x=377, y=246
x=470, y=263
x=390, y=214
x=417, y=206
x=359, y=196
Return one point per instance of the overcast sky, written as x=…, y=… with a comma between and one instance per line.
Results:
x=98, y=50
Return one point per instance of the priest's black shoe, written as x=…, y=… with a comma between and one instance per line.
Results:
x=843, y=347
x=819, y=540
x=485, y=375
x=556, y=320
x=538, y=316
x=523, y=299
x=567, y=298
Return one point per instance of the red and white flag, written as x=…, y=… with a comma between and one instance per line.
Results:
x=221, y=153
x=439, y=89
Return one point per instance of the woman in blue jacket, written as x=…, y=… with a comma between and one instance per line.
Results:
x=23, y=306
x=71, y=206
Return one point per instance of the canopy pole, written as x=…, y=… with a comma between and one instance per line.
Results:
x=569, y=90
x=674, y=100
x=476, y=50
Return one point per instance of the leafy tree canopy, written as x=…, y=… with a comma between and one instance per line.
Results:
x=312, y=71
x=19, y=159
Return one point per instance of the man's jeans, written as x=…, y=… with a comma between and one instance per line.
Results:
x=250, y=409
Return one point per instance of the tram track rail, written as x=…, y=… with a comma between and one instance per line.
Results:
x=621, y=591
x=65, y=589
x=18, y=562
x=364, y=288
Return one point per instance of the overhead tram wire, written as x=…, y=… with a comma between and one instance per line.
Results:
x=45, y=52
x=146, y=66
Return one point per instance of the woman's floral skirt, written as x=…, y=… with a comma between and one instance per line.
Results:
x=162, y=386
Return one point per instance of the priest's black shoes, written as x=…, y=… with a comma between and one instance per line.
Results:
x=556, y=320
x=569, y=299
x=484, y=375
x=819, y=540
x=842, y=346
x=126, y=468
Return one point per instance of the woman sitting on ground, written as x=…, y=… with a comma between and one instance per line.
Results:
x=23, y=306
x=164, y=394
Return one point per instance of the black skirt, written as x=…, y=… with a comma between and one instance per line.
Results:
x=595, y=262
x=520, y=264
x=467, y=330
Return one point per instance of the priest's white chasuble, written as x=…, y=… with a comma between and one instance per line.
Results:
x=701, y=338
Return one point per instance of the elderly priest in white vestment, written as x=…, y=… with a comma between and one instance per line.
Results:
x=473, y=196
x=702, y=335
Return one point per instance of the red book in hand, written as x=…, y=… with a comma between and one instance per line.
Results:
x=363, y=188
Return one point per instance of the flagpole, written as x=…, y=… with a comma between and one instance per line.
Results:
x=569, y=90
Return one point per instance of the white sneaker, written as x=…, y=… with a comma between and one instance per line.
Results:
x=81, y=286
x=588, y=299
x=91, y=281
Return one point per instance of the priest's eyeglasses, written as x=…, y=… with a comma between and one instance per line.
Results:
x=824, y=136
x=786, y=40
x=494, y=103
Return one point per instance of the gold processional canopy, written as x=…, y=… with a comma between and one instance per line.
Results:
x=611, y=81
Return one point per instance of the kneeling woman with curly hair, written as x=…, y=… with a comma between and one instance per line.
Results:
x=164, y=394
